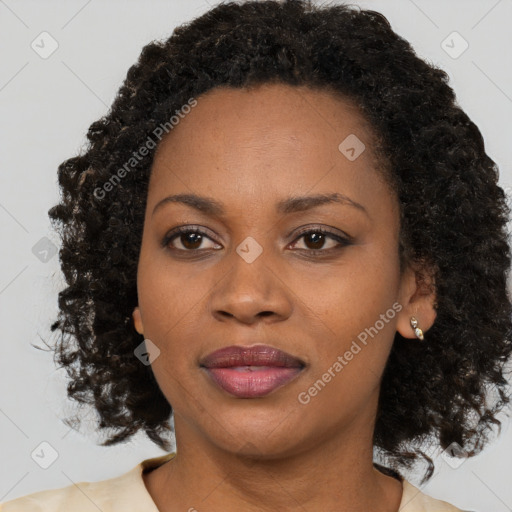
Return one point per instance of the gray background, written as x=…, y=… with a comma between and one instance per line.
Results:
x=46, y=106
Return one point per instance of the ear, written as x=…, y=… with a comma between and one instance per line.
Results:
x=137, y=320
x=418, y=299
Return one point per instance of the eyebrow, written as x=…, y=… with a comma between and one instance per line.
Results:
x=210, y=206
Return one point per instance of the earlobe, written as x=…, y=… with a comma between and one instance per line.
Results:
x=418, y=305
x=137, y=320
x=417, y=331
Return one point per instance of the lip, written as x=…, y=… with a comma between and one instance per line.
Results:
x=255, y=355
x=251, y=372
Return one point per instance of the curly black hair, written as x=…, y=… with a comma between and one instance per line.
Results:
x=453, y=216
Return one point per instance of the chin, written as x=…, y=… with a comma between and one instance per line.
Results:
x=263, y=437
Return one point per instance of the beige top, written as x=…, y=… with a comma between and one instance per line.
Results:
x=128, y=492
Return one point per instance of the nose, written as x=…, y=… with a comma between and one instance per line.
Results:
x=252, y=291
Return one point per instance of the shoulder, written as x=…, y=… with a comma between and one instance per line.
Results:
x=125, y=492
x=80, y=497
x=57, y=500
x=413, y=500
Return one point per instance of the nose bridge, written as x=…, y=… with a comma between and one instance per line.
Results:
x=251, y=269
x=251, y=286
x=252, y=262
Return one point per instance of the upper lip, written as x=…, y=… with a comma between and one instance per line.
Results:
x=255, y=355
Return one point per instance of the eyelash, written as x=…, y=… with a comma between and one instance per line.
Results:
x=343, y=241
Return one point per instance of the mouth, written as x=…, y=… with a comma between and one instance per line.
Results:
x=251, y=372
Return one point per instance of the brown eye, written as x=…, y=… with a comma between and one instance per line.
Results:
x=190, y=239
x=315, y=240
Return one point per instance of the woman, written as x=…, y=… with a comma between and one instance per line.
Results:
x=287, y=234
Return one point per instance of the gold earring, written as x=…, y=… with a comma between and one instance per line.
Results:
x=417, y=330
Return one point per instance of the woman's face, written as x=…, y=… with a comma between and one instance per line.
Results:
x=333, y=301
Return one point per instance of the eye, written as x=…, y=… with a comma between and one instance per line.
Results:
x=190, y=239
x=315, y=240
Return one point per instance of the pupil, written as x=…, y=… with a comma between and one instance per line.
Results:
x=190, y=243
x=317, y=239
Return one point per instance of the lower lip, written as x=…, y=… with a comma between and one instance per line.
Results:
x=247, y=383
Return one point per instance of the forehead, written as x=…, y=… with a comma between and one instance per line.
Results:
x=267, y=109
x=266, y=141
x=275, y=121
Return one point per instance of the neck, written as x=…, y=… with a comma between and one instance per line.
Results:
x=333, y=475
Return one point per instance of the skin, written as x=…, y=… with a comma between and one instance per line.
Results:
x=249, y=149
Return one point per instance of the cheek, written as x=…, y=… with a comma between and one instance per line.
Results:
x=172, y=302
x=363, y=285
x=169, y=303
x=352, y=302
x=353, y=334
x=166, y=294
